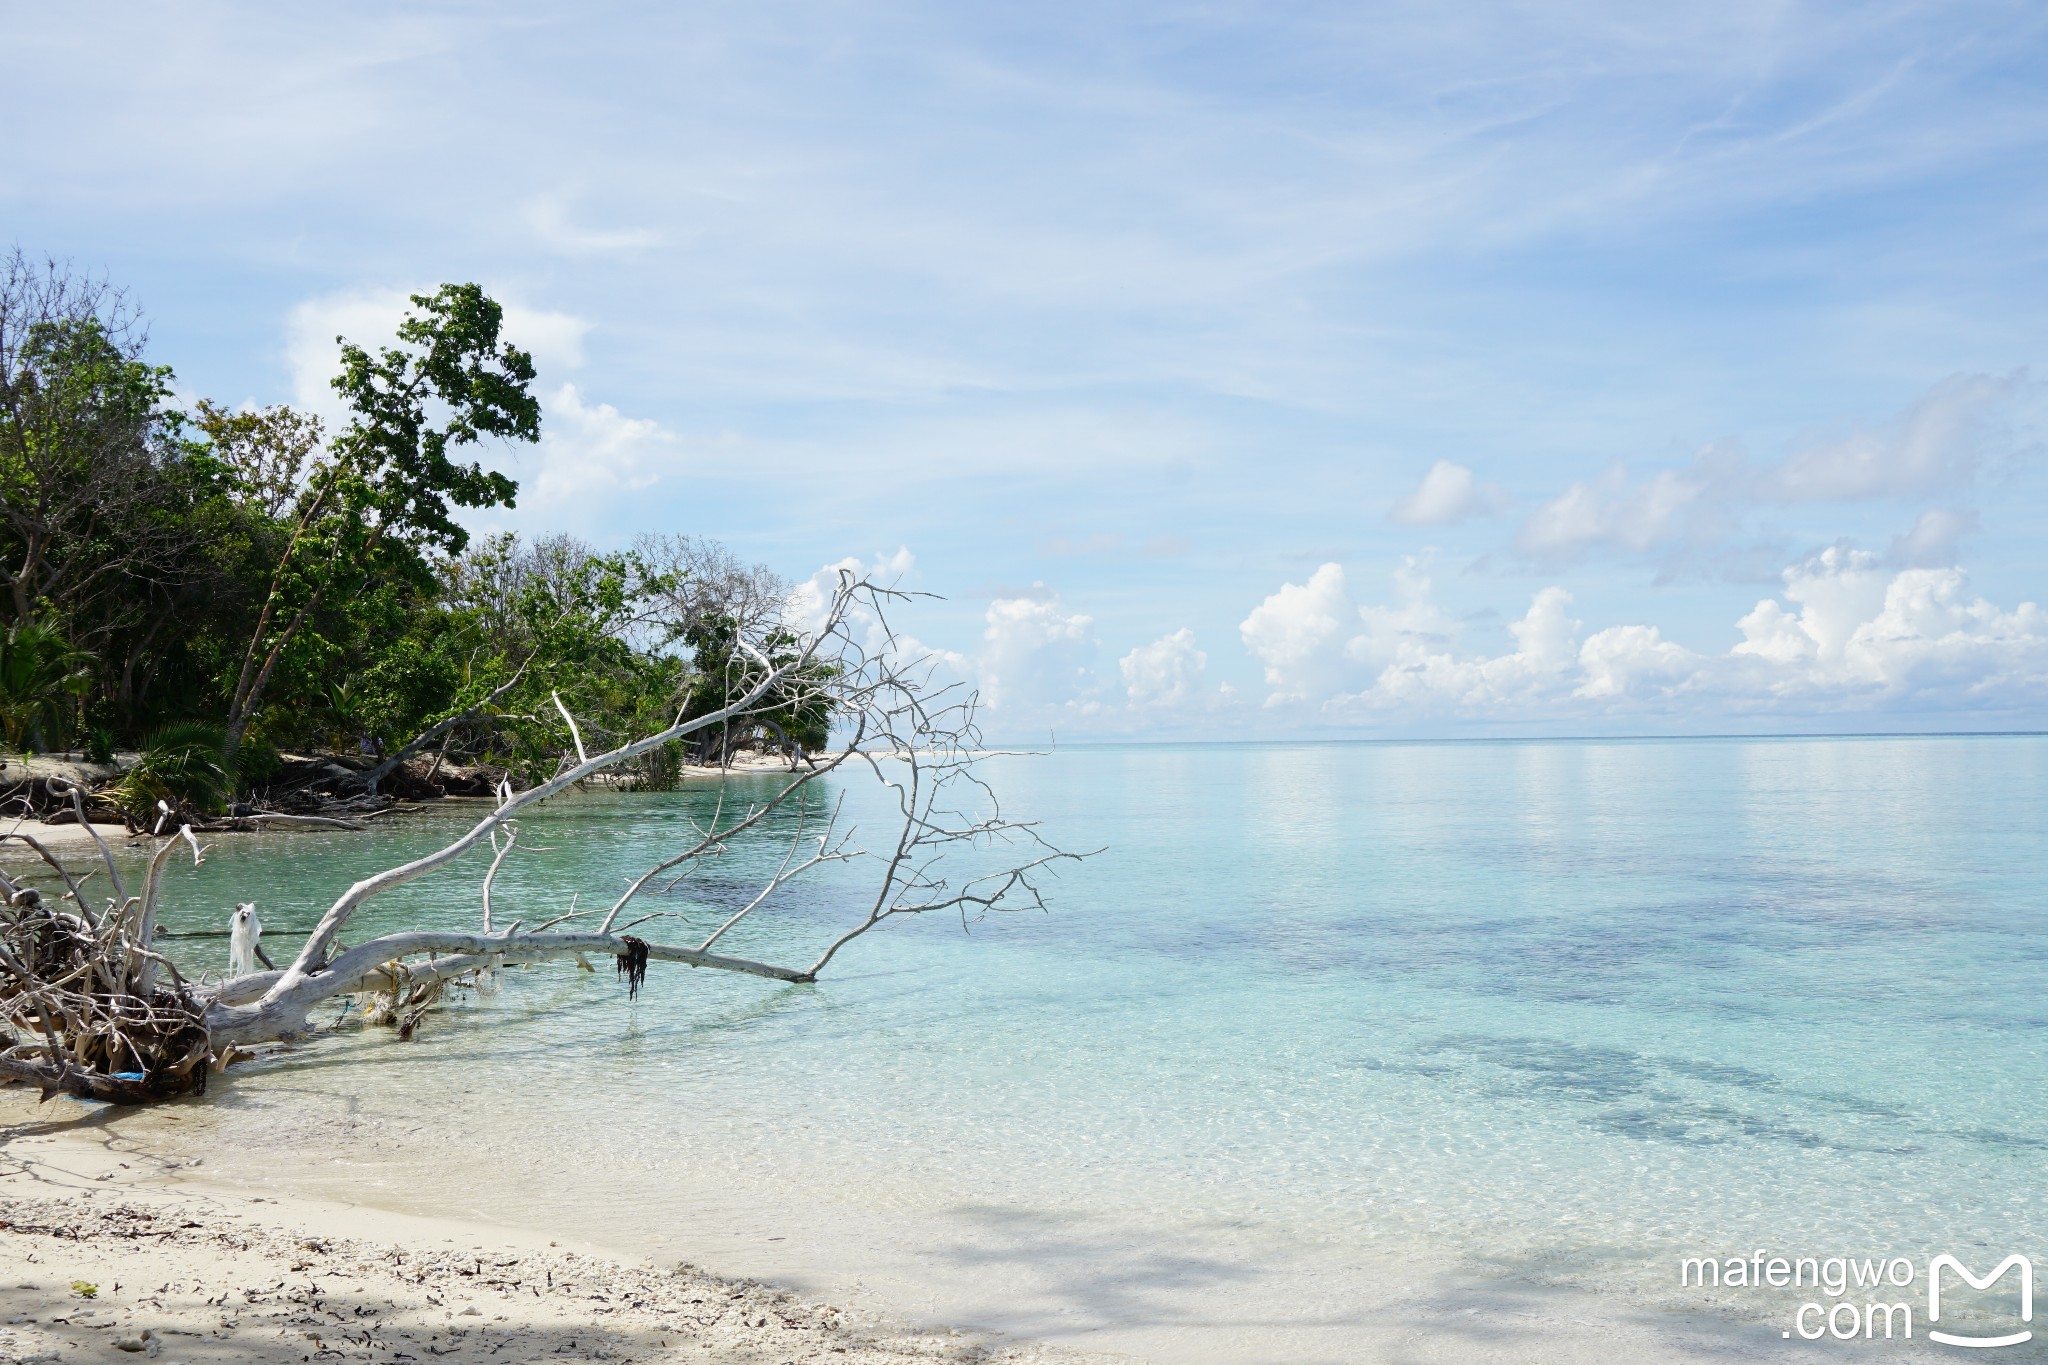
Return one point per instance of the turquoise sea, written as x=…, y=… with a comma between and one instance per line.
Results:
x=1331, y=1041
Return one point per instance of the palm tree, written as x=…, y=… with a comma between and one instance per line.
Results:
x=43, y=676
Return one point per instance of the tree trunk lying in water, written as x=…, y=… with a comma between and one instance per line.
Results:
x=88, y=1006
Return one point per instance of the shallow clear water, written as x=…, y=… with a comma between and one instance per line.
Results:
x=1567, y=1010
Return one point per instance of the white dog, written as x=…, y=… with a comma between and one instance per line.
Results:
x=245, y=935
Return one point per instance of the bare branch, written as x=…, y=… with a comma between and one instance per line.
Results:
x=60, y=787
x=574, y=733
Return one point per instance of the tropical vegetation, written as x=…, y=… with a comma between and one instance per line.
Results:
x=215, y=586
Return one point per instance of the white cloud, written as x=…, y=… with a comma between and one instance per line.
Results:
x=592, y=448
x=548, y=217
x=1546, y=648
x=1933, y=540
x=554, y=339
x=1632, y=661
x=1932, y=635
x=1035, y=654
x=1448, y=493
x=1320, y=648
x=368, y=318
x=1167, y=672
x=1612, y=512
x=1035, y=664
x=1836, y=591
x=586, y=449
x=1411, y=623
x=1863, y=632
x=1300, y=634
x=811, y=599
x=1939, y=441
x=1846, y=632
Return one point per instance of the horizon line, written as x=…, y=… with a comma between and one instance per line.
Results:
x=1055, y=744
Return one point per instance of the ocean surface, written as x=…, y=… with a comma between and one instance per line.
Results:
x=1324, y=1032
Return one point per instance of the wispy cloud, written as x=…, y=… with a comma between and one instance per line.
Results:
x=1938, y=444
x=1448, y=493
x=548, y=216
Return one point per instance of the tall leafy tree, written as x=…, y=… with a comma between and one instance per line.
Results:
x=85, y=438
x=383, y=498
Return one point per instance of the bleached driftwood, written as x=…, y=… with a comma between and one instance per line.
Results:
x=917, y=740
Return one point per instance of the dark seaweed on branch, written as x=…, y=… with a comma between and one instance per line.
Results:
x=632, y=964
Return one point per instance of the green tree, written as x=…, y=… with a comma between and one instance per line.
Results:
x=85, y=440
x=516, y=623
x=383, y=497
x=267, y=453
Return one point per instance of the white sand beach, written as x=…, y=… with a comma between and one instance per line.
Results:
x=105, y=1251
x=182, y=1248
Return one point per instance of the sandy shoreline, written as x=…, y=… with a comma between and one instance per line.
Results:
x=70, y=840
x=222, y=1267
x=74, y=840
x=214, y=1274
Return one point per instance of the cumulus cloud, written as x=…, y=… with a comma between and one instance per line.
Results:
x=1318, y=646
x=1835, y=592
x=1300, y=636
x=1611, y=511
x=811, y=600
x=1424, y=676
x=1847, y=631
x=586, y=449
x=1862, y=631
x=1035, y=664
x=1167, y=672
x=1035, y=654
x=592, y=448
x=1448, y=493
x=1633, y=661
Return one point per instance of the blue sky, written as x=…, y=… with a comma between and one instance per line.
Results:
x=1230, y=370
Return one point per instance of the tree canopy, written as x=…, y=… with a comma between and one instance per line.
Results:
x=164, y=566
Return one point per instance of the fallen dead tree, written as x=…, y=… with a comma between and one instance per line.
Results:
x=89, y=1007
x=93, y=1009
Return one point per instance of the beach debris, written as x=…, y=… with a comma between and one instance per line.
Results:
x=85, y=1289
x=632, y=964
x=82, y=1009
x=146, y=1342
